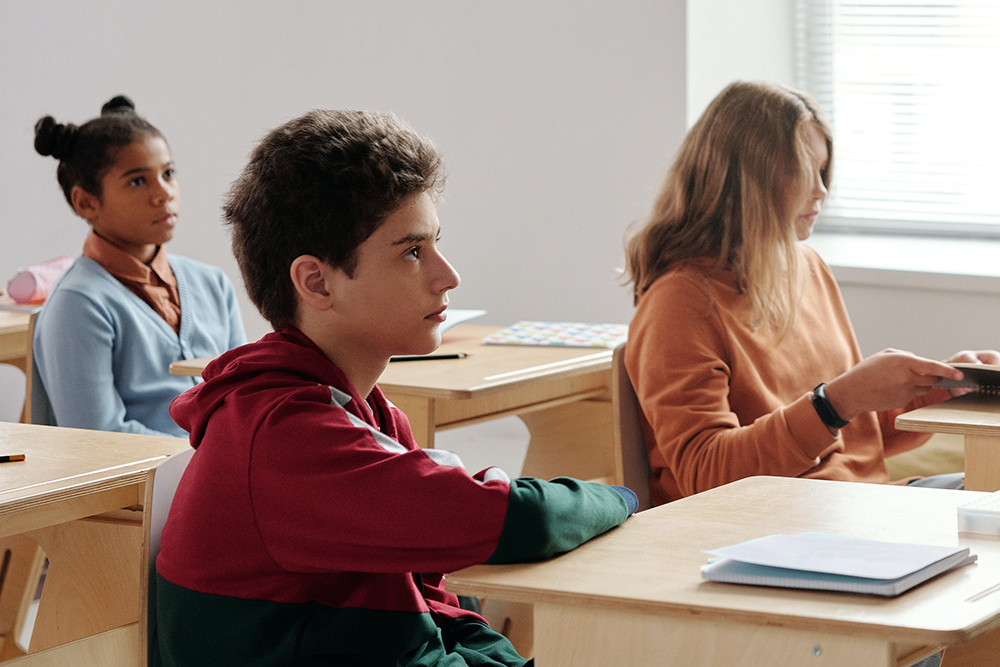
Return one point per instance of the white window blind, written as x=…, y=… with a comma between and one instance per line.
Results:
x=912, y=90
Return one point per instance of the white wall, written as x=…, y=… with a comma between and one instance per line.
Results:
x=556, y=120
x=932, y=297
x=933, y=322
x=737, y=39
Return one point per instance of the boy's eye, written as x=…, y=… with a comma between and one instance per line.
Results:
x=137, y=181
x=169, y=173
x=413, y=253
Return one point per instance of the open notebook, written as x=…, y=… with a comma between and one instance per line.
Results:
x=819, y=561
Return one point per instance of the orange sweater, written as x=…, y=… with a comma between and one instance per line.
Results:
x=722, y=401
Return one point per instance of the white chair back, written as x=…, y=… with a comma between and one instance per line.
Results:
x=161, y=484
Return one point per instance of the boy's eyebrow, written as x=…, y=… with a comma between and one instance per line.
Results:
x=415, y=238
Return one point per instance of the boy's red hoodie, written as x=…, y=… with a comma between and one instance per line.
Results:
x=309, y=528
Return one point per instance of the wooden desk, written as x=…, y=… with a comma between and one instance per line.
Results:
x=635, y=596
x=562, y=394
x=13, y=337
x=68, y=498
x=974, y=416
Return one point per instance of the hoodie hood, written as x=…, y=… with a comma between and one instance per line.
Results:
x=285, y=358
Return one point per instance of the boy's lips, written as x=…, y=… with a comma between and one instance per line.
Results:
x=169, y=220
x=437, y=315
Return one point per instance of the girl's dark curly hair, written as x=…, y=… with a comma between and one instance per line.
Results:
x=85, y=153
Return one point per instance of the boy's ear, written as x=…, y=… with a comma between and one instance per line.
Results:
x=313, y=280
x=84, y=203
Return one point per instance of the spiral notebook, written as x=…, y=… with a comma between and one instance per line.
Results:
x=982, y=377
x=818, y=561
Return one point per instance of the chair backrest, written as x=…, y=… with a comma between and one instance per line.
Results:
x=629, y=442
x=161, y=484
x=29, y=367
x=38, y=409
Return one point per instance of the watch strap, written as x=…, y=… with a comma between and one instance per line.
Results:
x=824, y=408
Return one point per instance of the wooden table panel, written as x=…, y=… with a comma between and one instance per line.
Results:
x=974, y=416
x=59, y=497
x=650, y=566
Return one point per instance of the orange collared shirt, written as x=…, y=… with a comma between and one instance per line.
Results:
x=155, y=284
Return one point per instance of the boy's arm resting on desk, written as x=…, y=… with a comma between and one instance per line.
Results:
x=545, y=519
x=395, y=507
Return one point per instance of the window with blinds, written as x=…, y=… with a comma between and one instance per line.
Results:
x=912, y=91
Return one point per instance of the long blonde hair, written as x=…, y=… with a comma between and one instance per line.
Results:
x=727, y=197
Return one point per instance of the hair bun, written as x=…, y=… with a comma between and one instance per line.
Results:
x=55, y=139
x=118, y=104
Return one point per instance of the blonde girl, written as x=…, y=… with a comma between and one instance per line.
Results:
x=741, y=350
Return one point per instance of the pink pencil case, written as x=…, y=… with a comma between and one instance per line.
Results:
x=32, y=284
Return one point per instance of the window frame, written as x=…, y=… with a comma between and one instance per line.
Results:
x=814, y=58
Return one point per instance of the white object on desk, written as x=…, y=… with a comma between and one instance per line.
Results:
x=454, y=316
x=820, y=561
x=981, y=515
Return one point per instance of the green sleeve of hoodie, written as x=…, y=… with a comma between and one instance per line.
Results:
x=548, y=518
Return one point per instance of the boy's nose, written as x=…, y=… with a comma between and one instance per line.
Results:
x=449, y=277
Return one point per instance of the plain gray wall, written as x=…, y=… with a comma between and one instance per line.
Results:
x=556, y=120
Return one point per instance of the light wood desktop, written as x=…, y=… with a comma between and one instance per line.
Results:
x=635, y=596
x=974, y=416
x=562, y=395
x=78, y=496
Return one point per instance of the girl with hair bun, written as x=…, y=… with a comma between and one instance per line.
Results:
x=741, y=351
x=124, y=310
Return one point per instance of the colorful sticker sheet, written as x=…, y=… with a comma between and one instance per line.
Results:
x=565, y=334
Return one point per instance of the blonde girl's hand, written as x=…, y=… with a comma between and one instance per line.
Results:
x=975, y=357
x=991, y=357
x=887, y=380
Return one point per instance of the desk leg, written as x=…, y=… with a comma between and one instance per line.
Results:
x=572, y=440
x=982, y=463
x=419, y=410
x=592, y=637
x=92, y=584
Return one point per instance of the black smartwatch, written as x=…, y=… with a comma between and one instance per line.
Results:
x=825, y=411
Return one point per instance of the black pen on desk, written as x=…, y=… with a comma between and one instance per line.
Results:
x=7, y=458
x=428, y=357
